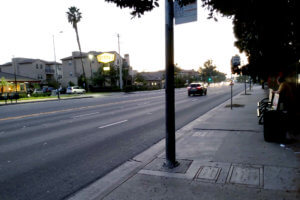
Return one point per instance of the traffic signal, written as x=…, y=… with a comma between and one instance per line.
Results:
x=209, y=79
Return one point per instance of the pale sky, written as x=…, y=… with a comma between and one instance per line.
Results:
x=27, y=29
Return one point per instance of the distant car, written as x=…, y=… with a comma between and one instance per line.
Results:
x=48, y=89
x=37, y=91
x=75, y=90
x=63, y=90
x=196, y=88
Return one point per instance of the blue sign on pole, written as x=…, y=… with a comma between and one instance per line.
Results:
x=185, y=14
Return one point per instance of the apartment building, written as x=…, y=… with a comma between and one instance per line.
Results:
x=44, y=71
x=72, y=66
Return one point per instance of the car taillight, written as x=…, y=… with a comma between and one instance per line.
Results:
x=188, y=88
x=199, y=87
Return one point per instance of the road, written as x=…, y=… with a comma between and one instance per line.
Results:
x=50, y=150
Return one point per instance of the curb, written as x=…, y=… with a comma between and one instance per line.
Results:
x=47, y=100
x=111, y=181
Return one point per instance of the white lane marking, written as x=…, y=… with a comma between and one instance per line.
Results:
x=85, y=115
x=120, y=122
x=194, y=100
x=146, y=103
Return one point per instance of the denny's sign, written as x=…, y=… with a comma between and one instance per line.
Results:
x=106, y=57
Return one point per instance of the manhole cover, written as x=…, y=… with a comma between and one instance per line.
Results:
x=209, y=173
x=245, y=175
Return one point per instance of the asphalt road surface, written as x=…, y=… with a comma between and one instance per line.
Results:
x=50, y=150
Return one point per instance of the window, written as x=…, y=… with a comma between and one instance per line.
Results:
x=22, y=88
x=70, y=63
x=39, y=76
x=37, y=66
x=41, y=66
x=71, y=74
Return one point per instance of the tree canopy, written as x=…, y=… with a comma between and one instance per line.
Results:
x=209, y=72
x=265, y=30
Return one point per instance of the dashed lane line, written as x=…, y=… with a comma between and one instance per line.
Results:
x=112, y=124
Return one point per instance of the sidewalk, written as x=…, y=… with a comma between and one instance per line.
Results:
x=222, y=155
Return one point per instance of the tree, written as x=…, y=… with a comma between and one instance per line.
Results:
x=139, y=7
x=98, y=78
x=113, y=74
x=139, y=78
x=74, y=16
x=3, y=83
x=265, y=30
x=209, y=73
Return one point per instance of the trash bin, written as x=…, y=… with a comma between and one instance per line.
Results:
x=275, y=126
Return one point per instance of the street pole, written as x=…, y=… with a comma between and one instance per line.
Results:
x=91, y=57
x=56, y=70
x=250, y=82
x=170, y=105
x=120, y=67
x=231, y=85
x=13, y=63
x=245, y=85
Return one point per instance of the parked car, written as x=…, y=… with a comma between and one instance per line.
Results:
x=48, y=89
x=37, y=91
x=75, y=90
x=197, y=88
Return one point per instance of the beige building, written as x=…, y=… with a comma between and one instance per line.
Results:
x=72, y=67
x=44, y=71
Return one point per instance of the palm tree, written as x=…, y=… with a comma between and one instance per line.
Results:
x=74, y=16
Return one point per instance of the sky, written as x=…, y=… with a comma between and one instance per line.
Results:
x=27, y=29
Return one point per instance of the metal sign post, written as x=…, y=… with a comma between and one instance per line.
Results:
x=245, y=85
x=170, y=97
x=184, y=14
x=231, y=85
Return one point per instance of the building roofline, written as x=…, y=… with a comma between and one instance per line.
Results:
x=2, y=74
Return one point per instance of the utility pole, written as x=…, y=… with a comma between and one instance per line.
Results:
x=120, y=67
x=56, y=70
x=231, y=85
x=170, y=97
x=245, y=84
x=14, y=65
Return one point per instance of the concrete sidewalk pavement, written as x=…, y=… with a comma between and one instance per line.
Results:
x=222, y=155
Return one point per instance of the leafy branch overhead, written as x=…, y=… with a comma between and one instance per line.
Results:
x=141, y=6
x=265, y=30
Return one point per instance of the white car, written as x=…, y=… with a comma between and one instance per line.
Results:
x=75, y=90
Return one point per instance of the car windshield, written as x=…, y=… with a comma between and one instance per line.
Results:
x=195, y=85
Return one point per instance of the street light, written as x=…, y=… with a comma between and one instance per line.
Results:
x=56, y=67
x=55, y=55
x=91, y=57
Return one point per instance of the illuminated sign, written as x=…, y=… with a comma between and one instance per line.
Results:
x=106, y=57
x=106, y=68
